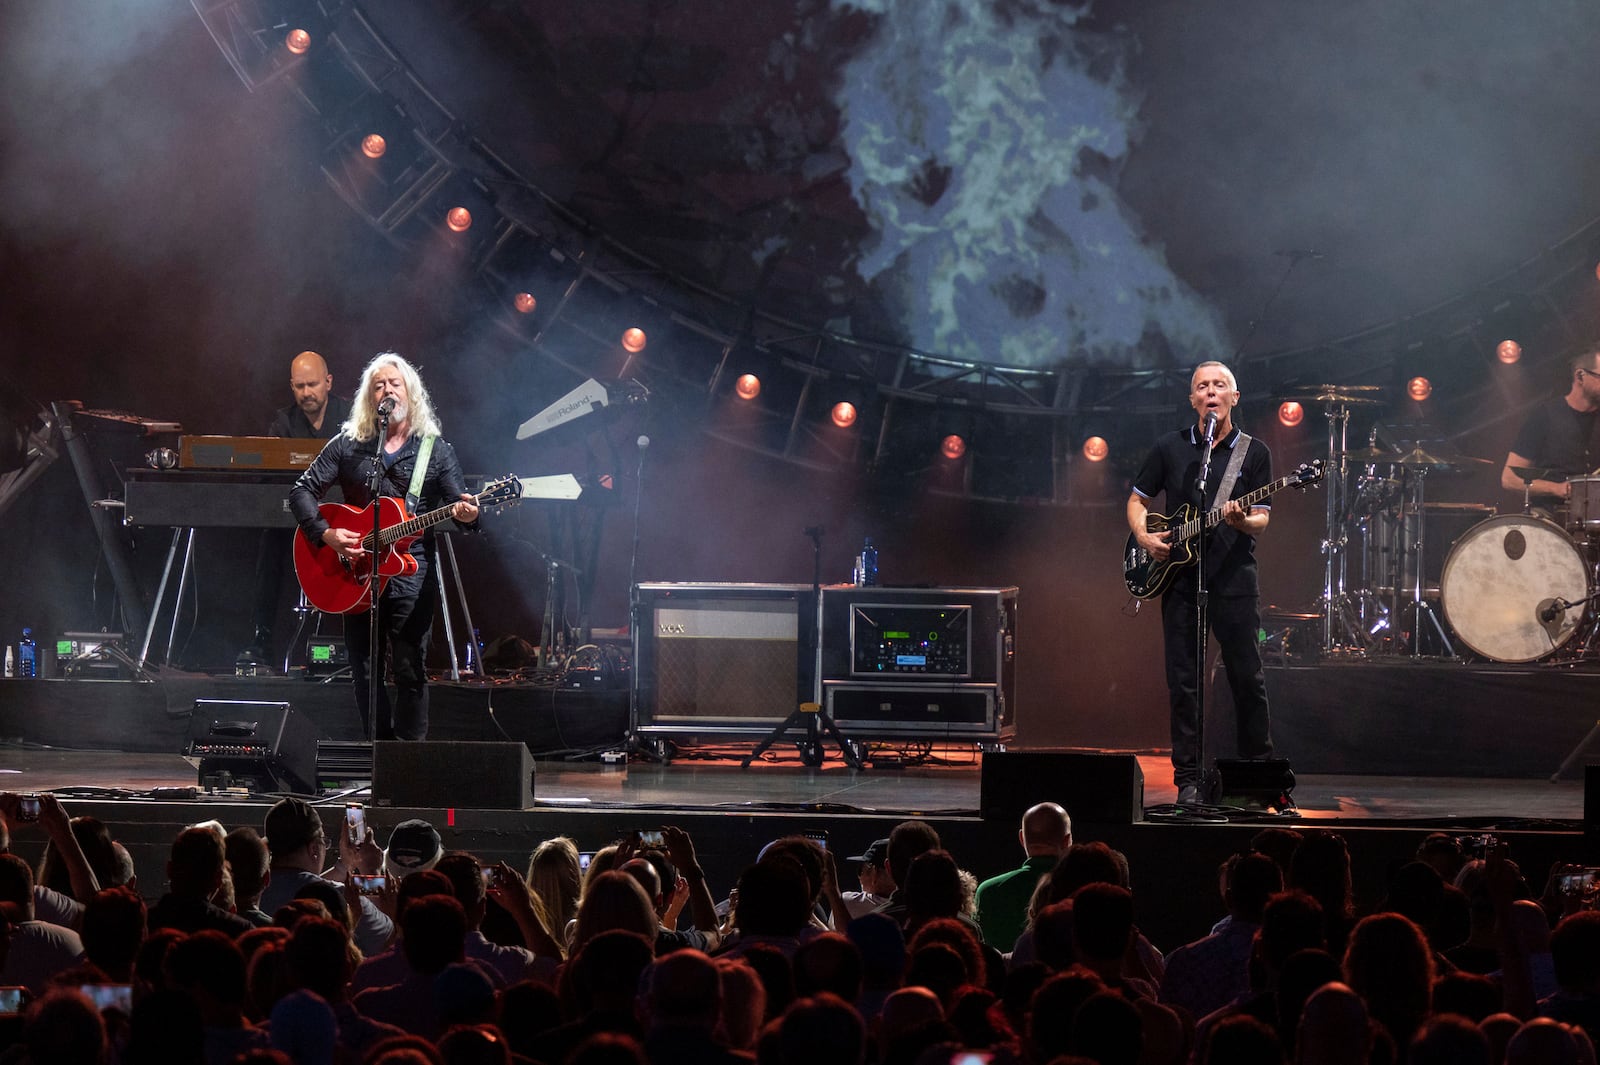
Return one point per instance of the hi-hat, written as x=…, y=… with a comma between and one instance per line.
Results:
x=1529, y=474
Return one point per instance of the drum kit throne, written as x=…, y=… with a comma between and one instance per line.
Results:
x=1511, y=588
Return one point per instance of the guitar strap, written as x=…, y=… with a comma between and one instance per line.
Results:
x=1235, y=464
x=420, y=472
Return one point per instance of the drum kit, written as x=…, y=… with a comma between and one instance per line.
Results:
x=1511, y=587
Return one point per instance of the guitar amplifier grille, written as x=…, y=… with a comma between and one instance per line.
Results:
x=725, y=678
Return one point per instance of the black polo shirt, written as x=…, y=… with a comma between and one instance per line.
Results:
x=1173, y=468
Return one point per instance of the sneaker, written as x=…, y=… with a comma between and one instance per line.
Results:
x=1189, y=795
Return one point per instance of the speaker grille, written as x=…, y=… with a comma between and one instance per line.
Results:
x=742, y=679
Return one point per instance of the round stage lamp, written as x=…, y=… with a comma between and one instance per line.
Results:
x=373, y=146
x=1290, y=413
x=634, y=340
x=747, y=386
x=1508, y=352
x=952, y=446
x=524, y=302
x=459, y=219
x=1095, y=449
x=297, y=41
x=844, y=414
x=1419, y=388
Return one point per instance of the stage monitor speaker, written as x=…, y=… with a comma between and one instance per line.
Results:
x=1255, y=783
x=1105, y=789
x=1591, y=814
x=447, y=774
x=263, y=746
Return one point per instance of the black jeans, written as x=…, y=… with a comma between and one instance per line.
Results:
x=1234, y=622
x=405, y=615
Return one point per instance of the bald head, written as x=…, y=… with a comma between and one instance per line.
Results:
x=1046, y=829
x=310, y=382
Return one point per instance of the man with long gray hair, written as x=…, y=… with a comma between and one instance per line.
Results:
x=393, y=403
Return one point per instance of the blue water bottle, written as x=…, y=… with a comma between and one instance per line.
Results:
x=869, y=564
x=27, y=656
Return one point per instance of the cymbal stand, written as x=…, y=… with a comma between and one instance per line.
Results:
x=1334, y=599
x=1419, y=603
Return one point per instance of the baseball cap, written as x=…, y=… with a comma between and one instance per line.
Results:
x=414, y=845
x=876, y=854
x=290, y=825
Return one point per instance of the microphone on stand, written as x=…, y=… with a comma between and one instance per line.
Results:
x=1211, y=427
x=386, y=407
x=1549, y=613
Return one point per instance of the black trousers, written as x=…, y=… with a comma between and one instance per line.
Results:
x=1234, y=622
x=272, y=557
x=405, y=623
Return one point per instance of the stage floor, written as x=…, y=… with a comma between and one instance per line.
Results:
x=949, y=790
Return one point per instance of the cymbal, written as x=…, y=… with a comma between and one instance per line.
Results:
x=1419, y=458
x=1368, y=455
x=1537, y=473
x=1349, y=395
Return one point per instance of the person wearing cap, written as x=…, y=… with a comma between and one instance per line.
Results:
x=414, y=845
x=876, y=883
x=299, y=849
x=1045, y=835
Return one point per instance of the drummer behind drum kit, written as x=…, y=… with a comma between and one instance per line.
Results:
x=1512, y=587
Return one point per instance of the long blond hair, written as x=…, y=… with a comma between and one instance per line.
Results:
x=363, y=421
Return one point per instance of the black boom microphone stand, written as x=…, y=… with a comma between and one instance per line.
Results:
x=1201, y=595
x=374, y=490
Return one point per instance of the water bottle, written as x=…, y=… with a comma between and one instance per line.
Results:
x=869, y=564
x=27, y=656
x=11, y=662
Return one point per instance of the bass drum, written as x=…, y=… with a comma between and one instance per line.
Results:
x=1498, y=579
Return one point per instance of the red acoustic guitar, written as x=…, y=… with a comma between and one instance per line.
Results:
x=336, y=585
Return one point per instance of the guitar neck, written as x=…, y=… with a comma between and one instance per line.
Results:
x=1214, y=516
x=413, y=526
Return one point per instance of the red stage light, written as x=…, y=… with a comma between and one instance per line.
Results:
x=297, y=41
x=844, y=415
x=953, y=447
x=524, y=302
x=1291, y=413
x=633, y=339
x=1095, y=449
x=1508, y=352
x=1419, y=388
x=373, y=146
x=459, y=219
x=748, y=386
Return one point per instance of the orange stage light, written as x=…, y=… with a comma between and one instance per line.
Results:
x=1291, y=413
x=459, y=219
x=1419, y=388
x=524, y=302
x=844, y=415
x=297, y=41
x=1509, y=352
x=633, y=339
x=1095, y=449
x=373, y=146
x=953, y=447
x=748, y=386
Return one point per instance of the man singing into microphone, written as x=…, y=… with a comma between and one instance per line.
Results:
x=410, y=439
x=1233, y=611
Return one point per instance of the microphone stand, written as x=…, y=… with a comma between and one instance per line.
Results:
x=374, y=641
x=1201, y=595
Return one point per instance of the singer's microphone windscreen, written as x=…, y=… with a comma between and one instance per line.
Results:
x=643, y=442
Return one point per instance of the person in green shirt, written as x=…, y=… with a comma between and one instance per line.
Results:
x=1046, y=834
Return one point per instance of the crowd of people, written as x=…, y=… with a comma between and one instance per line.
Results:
x=290, y=943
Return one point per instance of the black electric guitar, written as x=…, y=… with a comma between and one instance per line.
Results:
x=1147, y=577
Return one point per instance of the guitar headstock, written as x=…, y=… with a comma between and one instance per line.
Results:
x=1306, y=474
x=498, y=493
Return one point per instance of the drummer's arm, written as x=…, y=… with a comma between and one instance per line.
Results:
x=1512, y=483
